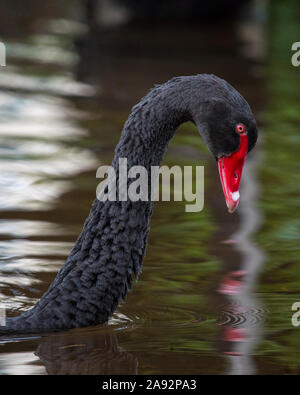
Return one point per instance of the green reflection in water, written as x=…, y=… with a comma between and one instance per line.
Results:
x=280, y=179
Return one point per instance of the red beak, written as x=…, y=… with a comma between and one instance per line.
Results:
x=230, y=169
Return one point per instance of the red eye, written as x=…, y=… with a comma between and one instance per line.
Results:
x=240, y=128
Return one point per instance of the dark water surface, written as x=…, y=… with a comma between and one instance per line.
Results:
x=216, y=291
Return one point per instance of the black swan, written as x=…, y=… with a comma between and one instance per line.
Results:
x=111, y=246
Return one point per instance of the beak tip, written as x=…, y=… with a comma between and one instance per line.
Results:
x=232, y=206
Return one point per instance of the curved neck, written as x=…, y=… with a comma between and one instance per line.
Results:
x=150, y=126
x=98, y=271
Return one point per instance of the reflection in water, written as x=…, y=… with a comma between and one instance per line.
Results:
x=80, y=351
x=93, y=350
x=34, y=157
x=86, y=352
x=242, y=315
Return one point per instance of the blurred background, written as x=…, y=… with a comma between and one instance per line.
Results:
x=216, y=291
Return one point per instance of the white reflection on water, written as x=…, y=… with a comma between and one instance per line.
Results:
x=26, y=192
x=20, y=260
x=11, y=248
x=32, y=265
x=252, y=261
x=34, y=151
x=29, y=116
x=58, y=85
x=43, y=48
x=23, y=228
x=21, y=363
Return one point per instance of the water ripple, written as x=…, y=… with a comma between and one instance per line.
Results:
x=238, y=315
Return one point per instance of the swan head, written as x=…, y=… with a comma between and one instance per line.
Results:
x=228, y=127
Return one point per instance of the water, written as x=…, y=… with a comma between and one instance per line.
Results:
x=216, y=291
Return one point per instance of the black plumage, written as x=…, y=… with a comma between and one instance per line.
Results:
x=112, y=244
